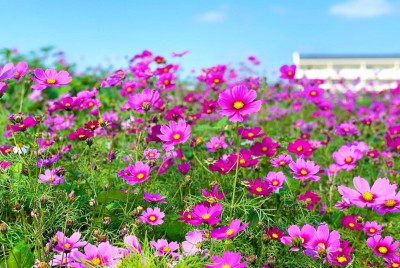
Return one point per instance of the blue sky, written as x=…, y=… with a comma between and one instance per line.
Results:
x=214, y=31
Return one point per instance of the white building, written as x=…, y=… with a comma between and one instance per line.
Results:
x=383, y=69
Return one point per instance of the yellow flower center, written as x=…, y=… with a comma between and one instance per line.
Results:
x=242, y=161
x=348, y=159
x=95, y=261
x=140, y=176
x=17, y=74
x=51, y=81
x=216, y=81
x=238, y=105
x=129, y=89
x=51, y=179
x=68, y=104
x=346, y=129
x=226, y=266
x=390, y=203
x=206, y=216
x=289, y=73
x=299, y=148
x=250, y=134
x=151, y=154
x=395, y=265
x=341, y=259
x=165, y=249
x=264, y=149
x=303, y=172
x=351, y=224
x=152, y=218
x=282, y=162
x=166, y=82
x=368, y=196
x=259, y=189
x=66, y=245
x=21, y=125
x=198, y=245
x=275, y=235
x=177, y=136
x=216, y=145
x=383, y=250
x=313, y=93
x=371, y=230
x=275, y=183
x=81, y=136
x=229, y=232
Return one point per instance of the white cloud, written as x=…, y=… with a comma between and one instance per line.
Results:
x=362, y=8
x=220, y=14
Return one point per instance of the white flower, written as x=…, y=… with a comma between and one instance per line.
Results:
x=20, y=148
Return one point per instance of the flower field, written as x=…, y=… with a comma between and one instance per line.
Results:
x=138, y=167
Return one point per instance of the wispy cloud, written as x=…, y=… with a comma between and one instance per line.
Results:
x=212, y=16
x=362, y=8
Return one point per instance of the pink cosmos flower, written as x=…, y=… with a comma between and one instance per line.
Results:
x=384, y=247
x=20, y=70
x=298, y=238
x=304, y=169
x=346, y=157
x=346, y=129
x=103, y=255
x=275, y=180
x=174, y=133
x=80, y=134
x=193, y=242
x=343, y=255
x=274, y=233
x=134, y=174
x=152, y=216
x=372, y=228
x=309, y=199
x=67, y=244
x=228, y=259
x=288, y=71
x=216, y=143
x=7, y=72
x=324, y=243
x=214, y=195
x=228, y=231
x=145, y=101
x=132, y=245
x=154, y=198
x=266, y=147
x=259, y=187
x=202, y=214
x=313, y=93
x=251, y=133
x=3, y=87
x=50, y=176
x=364, y=195
x=300, y=147
x=237, y=102
x=350, y=222
x=28, y=122
x=50, y=78
x=4, y=165
x=163, y=247
x=388, y=203
x=151, y=153
x=281, y=160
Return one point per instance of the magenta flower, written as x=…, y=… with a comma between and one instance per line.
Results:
x=20, y=70
x=67, y=244
x=28, y=122
x=80, y=134
x=300, y=147
x=274, y=233
x=275, y=180
x=154, y=198
x=298, y=238
x=251, y=133
x=174, y=133
x=372, y=228
x=309, y=198
x=346, y=129
x=151, y=154
x=214, y=195
x=50, y=78
x=350, y=222
x=237, y=102
x=193, y=242
x=259, y=187
x=51, y=177
x=313, y=93
x=145, y=101
x=4, y=165
x=202, y=214
x=346, y=157
x=281, y=160
x=216, y=143
x=163, y=247
x=134, y=174
x=266, y=147
x=388, y=203
x=183, y=168
x=3, y=87
x=103, y=255
x=364, y=195
x=343, y=255
x=152, y=216
x=228, y=260
x=384, y=247
x=132, y=245
x=304, y=169
x=228, y=231
x=288, y=71
x=324, y=243
x=7, y=72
